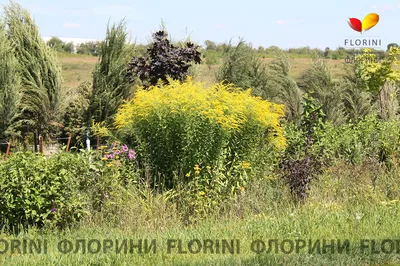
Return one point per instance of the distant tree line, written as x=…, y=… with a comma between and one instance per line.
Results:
x=89, y=48
x=86, y=48
x=213, y=52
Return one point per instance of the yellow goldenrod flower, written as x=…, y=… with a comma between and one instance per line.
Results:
x=246, y=165
x=202, y=193
x=187, y=175
x=109, y=164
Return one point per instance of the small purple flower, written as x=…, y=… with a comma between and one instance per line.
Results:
x=131, y=155
x=124, y=148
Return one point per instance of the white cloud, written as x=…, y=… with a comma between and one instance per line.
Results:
x=282, y=22
x=71, y=26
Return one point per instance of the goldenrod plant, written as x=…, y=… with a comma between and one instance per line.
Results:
x=183, y=124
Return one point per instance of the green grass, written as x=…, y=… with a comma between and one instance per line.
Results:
x=76, y=68
x=343, y=204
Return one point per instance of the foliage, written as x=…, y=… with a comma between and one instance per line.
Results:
x=110, y=84
x=380, y=77
x=74, y=119
x=183, y=124
x=89, y=48
x=9, y=83
x=59, y=190
x=303, y=159
x=375, y=74
x=288, y=92
x=121, y=157
x=163, y=60
x=32, y=186
x=390, y=45
x=370, y=139
x=242, y=67
x=39, y=72
x=318, y=82
x=209, y=189
x=212, y=58
x=60, y=46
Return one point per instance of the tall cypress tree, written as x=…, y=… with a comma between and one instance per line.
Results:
x=110, y=84
x=9, y=84
x=39, y=70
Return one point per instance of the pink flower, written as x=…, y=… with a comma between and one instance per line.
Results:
x=131, y=155
x=124, y=148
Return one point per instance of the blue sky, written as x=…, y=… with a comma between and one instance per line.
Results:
x=283, y=23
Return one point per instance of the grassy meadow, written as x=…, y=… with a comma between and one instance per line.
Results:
x=77, y=68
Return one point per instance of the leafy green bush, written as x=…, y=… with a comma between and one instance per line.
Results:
x=369, y=139
x=183, y=124
x=60, y=190
x=304, y=157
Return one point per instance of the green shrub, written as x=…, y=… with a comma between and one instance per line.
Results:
x=60, y=190
x=369, y=139
x=183, y=124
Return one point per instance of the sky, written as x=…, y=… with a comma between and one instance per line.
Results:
x=283, y=23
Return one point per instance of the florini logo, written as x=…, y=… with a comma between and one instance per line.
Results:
x=370, y=21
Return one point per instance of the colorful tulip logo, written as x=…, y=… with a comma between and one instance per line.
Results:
x=368, y=23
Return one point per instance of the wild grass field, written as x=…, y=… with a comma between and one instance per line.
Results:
x=77, y=68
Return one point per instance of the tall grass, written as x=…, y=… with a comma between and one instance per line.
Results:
x=346, y=202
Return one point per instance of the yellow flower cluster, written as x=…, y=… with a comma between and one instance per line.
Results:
x=246, y=165
x=228, y=106
x=196, y=169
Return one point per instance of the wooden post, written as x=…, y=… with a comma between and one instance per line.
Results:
x=35, y=142
x=69, y=142
x=40, y=144
x=8, y=149
x=98, y=142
